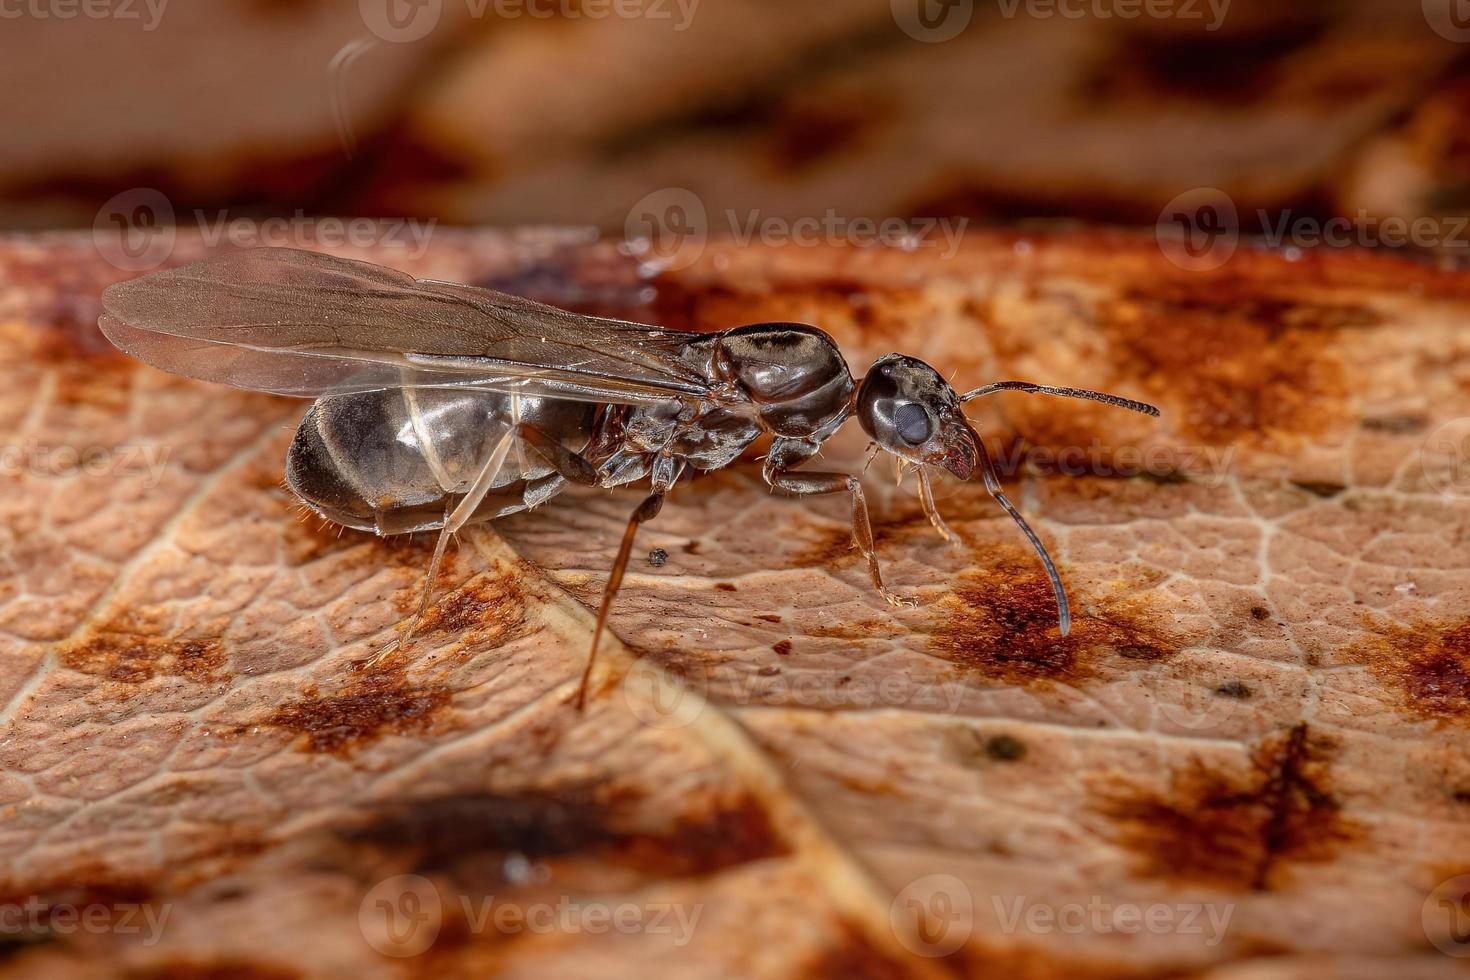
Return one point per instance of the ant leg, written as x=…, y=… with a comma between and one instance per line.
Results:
x=926, y=497
x=646, y=511
x=992, y=484
x=786, y=453
x=572, y=467
x=453, y=521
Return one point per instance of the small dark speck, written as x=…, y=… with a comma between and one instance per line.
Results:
x=691, y=548
x=782, y=648
x=725, y=586
x=657, y=557
x=1319, y=488
x=1005, y=748
x=1260, y=612
x=1461, y=795
x=1233, y=689
x=1396, y=424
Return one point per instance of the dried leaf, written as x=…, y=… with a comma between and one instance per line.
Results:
x=1251, y=748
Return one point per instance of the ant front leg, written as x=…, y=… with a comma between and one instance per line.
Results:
x=788, y=453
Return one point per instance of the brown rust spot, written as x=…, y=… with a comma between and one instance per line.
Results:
x=131, y=659
x=726, y=586
x=782, y=647
x=364, y=711
x=1239, y=361
x=1235, y=831
x=454, y=834
x=1428, y=664
x=1001, y=623
x=768, y=617
x=494, y=604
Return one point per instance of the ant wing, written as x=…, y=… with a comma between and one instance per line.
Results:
x=303, y=323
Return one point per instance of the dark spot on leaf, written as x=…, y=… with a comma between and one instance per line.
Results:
x=367, y=709
x=768, y=617
x=1396, y=424
x=1230, y=830
x=782, y=647
x=1260, y=613
x=492, y=604
x=1005, y=748
x=455, y=834
x=1429, y=664
x=1001, y=623
x=1233, y=689
x=1241, y=361
x=1319, y=489
x=132, y=659
x=725, y=586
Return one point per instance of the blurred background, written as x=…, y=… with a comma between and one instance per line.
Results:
x=511, y=112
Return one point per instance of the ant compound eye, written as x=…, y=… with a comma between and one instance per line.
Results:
x=912, y=423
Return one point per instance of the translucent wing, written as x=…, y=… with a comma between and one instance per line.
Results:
x=303, y=323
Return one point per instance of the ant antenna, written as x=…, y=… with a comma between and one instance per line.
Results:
x=1084, y=393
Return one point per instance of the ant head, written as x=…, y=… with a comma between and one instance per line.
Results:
x=909, y=410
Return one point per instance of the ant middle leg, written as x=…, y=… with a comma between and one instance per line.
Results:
x=786, y=453
x=646, y=511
